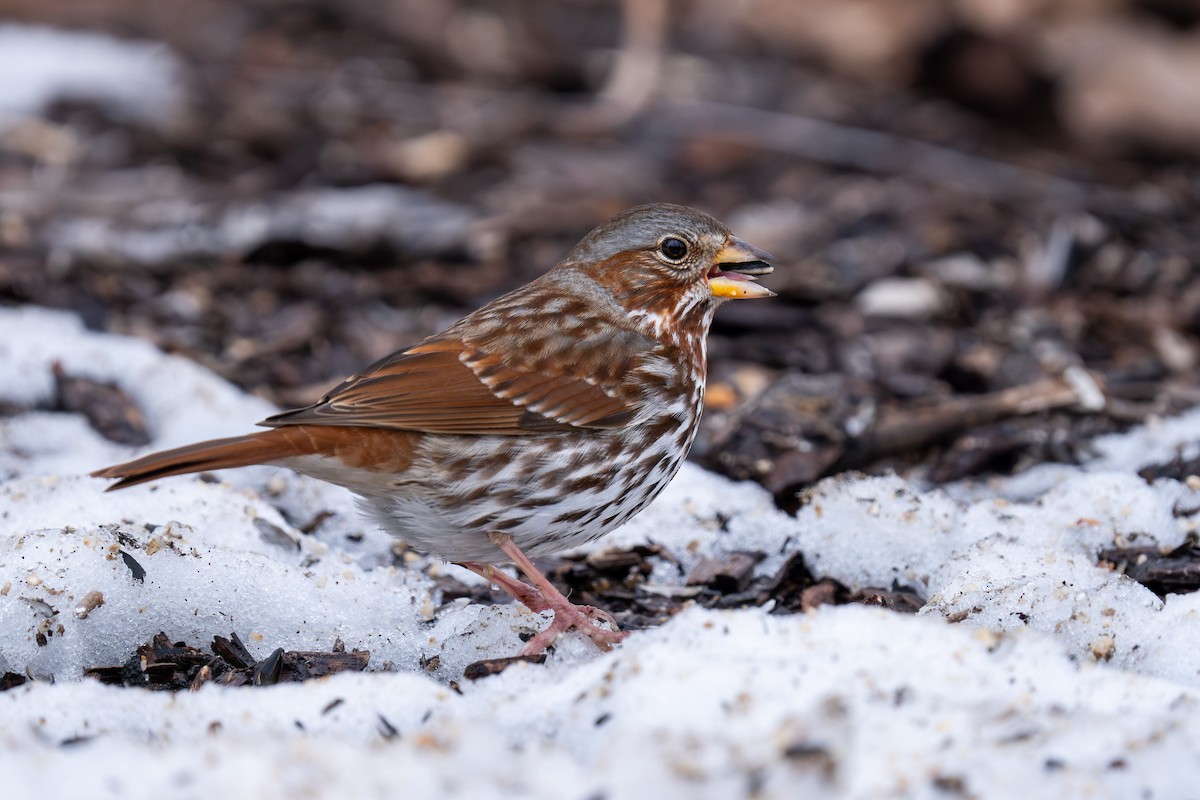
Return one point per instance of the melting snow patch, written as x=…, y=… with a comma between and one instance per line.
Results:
x=40, y=65
x=1033, y=670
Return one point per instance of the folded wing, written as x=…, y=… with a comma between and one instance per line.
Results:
x=447, y=387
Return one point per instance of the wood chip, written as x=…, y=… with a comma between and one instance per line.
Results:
x=109, y=410
x=494, y=666
x=728, y=574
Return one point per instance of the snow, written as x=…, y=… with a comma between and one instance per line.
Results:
x=411, y=222
x=1032, y=671
x=139, y=80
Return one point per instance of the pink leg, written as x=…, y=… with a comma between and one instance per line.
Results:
x=542, y=596
x=525, y=594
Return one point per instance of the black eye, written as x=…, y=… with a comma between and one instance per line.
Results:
x=674, y=249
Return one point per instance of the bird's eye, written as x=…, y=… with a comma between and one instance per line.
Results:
x=673, y=249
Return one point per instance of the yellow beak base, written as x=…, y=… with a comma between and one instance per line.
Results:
x=728, y=288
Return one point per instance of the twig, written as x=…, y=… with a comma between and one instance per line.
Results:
x=906, y=429
x=841, y=145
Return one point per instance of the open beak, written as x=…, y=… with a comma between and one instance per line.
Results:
x=733, y=274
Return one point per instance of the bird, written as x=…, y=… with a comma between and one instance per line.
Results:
x=541, y=421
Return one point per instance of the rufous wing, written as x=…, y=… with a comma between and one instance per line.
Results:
x=447, y=387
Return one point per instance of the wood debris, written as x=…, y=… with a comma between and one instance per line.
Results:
x=161, y=664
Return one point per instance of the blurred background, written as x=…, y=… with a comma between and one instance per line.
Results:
x=985, y=211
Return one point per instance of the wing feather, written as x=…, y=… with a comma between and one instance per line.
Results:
x=446, y=387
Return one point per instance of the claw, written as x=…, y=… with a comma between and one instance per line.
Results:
x=543, y=596
x=575, y=618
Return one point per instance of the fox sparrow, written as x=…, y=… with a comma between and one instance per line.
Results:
x=543, y=420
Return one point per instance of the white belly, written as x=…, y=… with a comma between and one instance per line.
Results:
x=433, y=509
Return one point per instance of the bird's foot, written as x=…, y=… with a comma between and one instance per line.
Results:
x=570, y=617
x=524, y=594
x=543, y=596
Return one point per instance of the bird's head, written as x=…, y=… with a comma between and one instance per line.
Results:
x=670, y=264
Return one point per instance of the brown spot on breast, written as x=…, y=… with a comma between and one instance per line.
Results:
x=570, y=516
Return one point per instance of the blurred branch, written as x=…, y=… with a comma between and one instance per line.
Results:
x=634, y=78
x=839, y=145
x=905, y=429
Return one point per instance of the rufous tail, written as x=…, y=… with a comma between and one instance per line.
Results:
x=238, y=451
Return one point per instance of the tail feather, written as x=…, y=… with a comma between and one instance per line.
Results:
x=237, y=451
